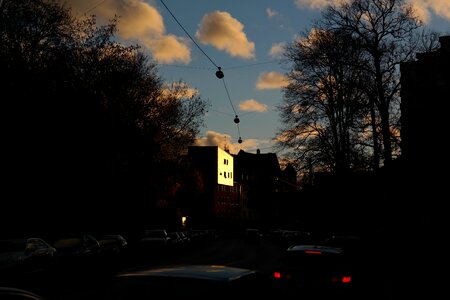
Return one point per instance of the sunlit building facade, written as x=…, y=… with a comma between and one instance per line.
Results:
x=220, y=199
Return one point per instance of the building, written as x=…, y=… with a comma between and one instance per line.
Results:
x=425, y=91
x=266, y=189
x=219, y=203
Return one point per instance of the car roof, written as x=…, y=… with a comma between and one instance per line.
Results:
x=320, y=248
x=17, y=293
x=204, y=272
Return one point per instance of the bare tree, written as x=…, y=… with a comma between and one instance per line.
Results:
x=385, y=29
x=91, y=112
x=323, y=102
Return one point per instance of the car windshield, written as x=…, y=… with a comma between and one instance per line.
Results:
x=224, y=132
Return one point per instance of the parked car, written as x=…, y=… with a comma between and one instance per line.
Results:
x=18, y=256
x=253, y=235
x=112, y=244
x=352, y=245
x=154, y=239
x=77, y=251
x=199, y=281
x=314, y=269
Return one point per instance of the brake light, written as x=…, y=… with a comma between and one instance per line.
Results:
x=284, y=275
x=346, y=279
x=312, y=252
x=343, y=279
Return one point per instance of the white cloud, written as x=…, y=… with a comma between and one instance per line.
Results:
x=277, y=49
x=252, y=105
x=313, y=4
x=224, y=32
x=271, y=80
x=271, y=13
x=138, y=20
x=224, y=140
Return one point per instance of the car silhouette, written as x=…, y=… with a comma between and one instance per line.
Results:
x=199, y=281
x=314, y=270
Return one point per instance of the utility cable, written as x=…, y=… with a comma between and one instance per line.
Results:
x=187, y=33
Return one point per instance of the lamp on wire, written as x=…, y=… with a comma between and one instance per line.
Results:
x=219, y=73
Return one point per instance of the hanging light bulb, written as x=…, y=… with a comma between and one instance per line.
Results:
x=219, y=73
x=236, y=119
x=240, y=140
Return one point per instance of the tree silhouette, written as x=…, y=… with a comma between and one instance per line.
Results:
x=84, y=115
x=386, y=31
x=323, y=103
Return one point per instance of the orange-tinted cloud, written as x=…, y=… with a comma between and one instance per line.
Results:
x=277, y=49
x=271, y=80
x=138, y=20
x=179, y=90
x=168, y=49
x=423, y=8
x=252, y=105
x=223, y=140
x=224, y=32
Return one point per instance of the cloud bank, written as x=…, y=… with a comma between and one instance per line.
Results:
x=223, y=140
x=138, y=21
x=424, y=8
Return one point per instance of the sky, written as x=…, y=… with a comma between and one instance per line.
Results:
x=190, y=39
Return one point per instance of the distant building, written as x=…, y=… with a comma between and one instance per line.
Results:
x=264, y=186
x=241, y=189
x=220, y=202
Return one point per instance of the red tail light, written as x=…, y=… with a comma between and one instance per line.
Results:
x=312, y=252
x=343, y=279
x=282, y=275
x=346, y=279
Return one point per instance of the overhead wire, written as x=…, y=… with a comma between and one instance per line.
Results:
x=219, y=72
x=187, y=33
x=250, y=65
x=95, y=6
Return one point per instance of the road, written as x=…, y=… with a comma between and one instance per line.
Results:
x=91, y=281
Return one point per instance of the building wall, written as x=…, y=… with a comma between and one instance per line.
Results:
x=425, y=91
x=220, y=204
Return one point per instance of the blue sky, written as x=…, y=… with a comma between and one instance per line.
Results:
x=240, y=36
